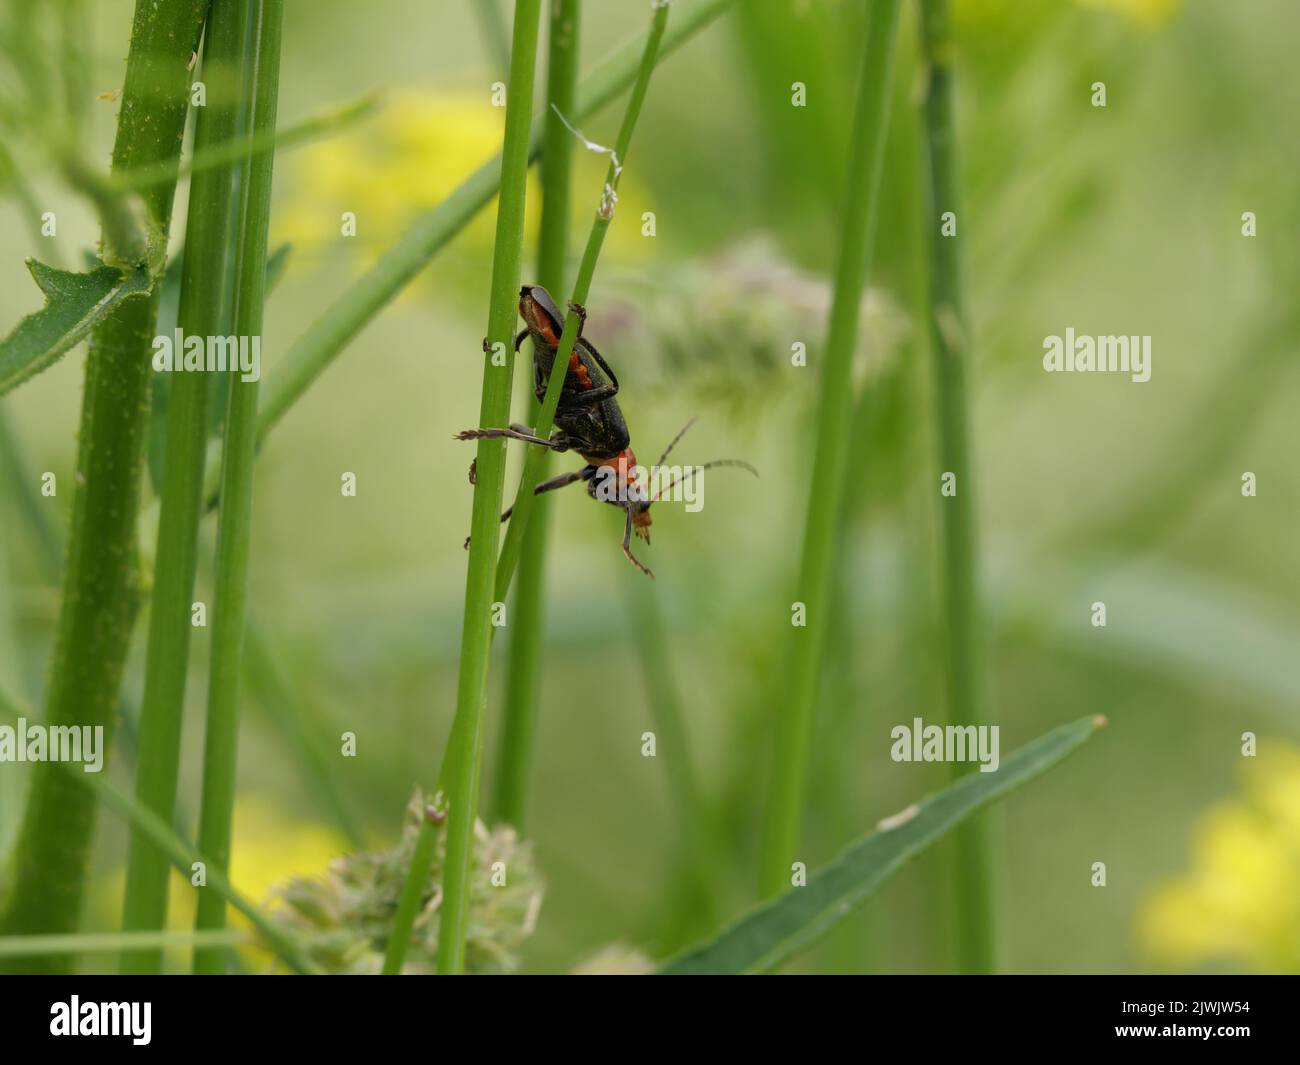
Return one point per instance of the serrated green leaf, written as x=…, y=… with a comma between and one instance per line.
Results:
x=774, y=931
x=74, y=303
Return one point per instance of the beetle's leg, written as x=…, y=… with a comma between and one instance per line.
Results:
x=520, y=338
x=558, y=442
x=627, y=545
x=554, y=483
x=600, y=361
x=551, y=485
x=592, y=396
x=581, y=312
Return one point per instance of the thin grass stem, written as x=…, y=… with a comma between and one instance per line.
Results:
x=205, y=301
x=523, y=666
x=464, y=753
x=975, y=931
x=794, y=724
x=257, y=25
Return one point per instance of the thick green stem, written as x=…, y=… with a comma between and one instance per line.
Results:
x=257, y=25
x=101, y=581
x=204, y=310
x=519, y=726
x=967, y=705
x=465, y=755
x=831, y=458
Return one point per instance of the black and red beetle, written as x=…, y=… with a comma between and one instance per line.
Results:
x=588, y=420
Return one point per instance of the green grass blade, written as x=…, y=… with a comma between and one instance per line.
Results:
x=523, y=666
x=464, y=753
x=75, y=304
x=975, y=931
x=795, y=719
x=492, y=28
x=46, y=537
x=112, y=942
x=100, y=592
x=220, y=156
x=696, y=819
x=257, y=24
x=776, y=930
x=293, y=712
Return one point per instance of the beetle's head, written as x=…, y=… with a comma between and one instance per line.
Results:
x=641, y=519
x=639, y=502
x=540, y=314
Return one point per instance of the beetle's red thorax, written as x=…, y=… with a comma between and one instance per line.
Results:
x=622, y=464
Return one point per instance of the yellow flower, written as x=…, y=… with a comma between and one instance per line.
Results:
x=410, y=157
x=1240, y=901
x=268, y=848
x=391, y=169
x=1144, y=12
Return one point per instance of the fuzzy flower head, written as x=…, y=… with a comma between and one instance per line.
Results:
x=344, y=917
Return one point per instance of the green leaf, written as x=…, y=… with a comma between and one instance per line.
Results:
x=74, y=303
x=773, y=932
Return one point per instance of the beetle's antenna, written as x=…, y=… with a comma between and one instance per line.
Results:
x=673, y=443
x=741, y=463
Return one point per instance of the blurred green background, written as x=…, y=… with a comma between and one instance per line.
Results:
x=1121, y=220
